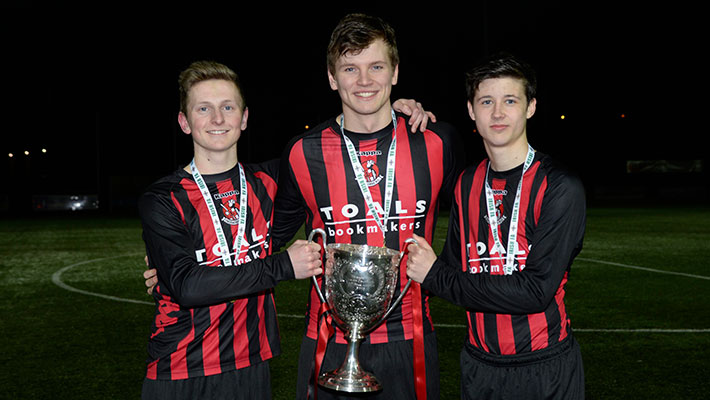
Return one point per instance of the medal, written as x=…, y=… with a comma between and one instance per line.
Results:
x=360, y=174
x=224, y=248
x=509, y=265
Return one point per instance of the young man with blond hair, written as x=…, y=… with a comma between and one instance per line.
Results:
x=207, y=231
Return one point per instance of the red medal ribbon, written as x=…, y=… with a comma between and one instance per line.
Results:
x=419, y=365
x=325, y=331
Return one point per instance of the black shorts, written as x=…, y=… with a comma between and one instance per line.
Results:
x=552, y=373
x=246, y=383
x=392, y=363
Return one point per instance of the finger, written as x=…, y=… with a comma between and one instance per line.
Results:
x=421, y=241
x=412, y=248
x=414, y=114
x=419, y=111
x=422, y=125
x=415, y=121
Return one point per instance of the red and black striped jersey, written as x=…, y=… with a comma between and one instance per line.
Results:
x=211, y=319
x=318, y=184
x=524, y=311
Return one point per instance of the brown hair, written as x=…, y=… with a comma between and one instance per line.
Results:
x=200, y=71
x=355, y=32
x=502, y=65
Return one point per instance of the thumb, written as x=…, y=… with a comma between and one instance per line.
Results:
x=421, y=241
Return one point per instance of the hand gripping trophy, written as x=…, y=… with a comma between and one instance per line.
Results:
x=359, y=285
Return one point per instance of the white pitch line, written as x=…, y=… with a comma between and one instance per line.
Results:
x=659, y=271
x=57, y=280
x=651, y=330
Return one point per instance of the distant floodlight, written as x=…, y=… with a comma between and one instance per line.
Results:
x=307, y=127
x=562, y=116
x=27, y=153
x=44, y=150
x=10, y=155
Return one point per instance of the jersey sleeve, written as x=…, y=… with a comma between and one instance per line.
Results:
x=289, y=206
x=451, y=252
x=170, y=250
x=454, y=159
x=271, y=168
x=453, y=156
x=557, y=239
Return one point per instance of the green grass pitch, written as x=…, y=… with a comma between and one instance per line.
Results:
x=75, y=315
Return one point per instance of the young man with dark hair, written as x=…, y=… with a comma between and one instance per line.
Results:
x=363, y=178
x=517, y=222
x=207, y=230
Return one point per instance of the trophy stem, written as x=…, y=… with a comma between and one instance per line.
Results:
x=350, y=377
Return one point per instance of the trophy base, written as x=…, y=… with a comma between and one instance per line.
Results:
x=359, y=382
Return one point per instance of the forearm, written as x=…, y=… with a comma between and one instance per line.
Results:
x=193, y=285
x=520, y=293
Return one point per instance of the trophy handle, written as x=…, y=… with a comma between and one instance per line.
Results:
x=406, y=287
x=315, y=281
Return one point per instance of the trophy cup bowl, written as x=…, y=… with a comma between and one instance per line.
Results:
x=360, y=281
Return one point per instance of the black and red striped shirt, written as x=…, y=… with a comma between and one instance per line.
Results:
x=524, y=311
x=318, y=184
x=208, y=319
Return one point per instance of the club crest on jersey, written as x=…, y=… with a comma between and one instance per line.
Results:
x=372, y=173
x=500, y=215
x=230, y=210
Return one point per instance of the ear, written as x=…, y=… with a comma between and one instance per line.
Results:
x=245, y=116
x=332, y=81
x=531, y=108
x=395, y=75
x=184, y=124
x=470, y=110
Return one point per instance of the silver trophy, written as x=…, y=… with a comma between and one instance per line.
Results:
x=359, y=285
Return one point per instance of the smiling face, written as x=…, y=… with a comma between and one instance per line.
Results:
x=214, y=116
x=364, y=82
x=501, y=110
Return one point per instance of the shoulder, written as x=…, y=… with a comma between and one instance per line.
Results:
x=159, y=194
x=265, y=174
x=472, y=169
x=268, y=168
x=560, y=178
x=469, y=173
x=313, y=134
x=165, y=185
x=442, y=128
x=446, y=131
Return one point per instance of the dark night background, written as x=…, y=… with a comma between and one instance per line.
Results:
x=97, y=89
